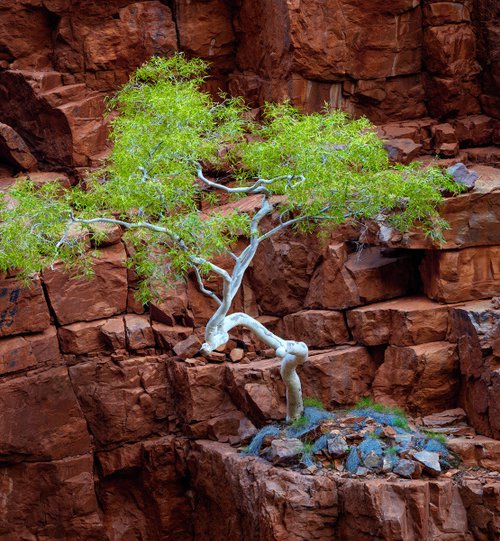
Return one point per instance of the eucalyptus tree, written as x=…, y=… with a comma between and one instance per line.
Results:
x=176, y=150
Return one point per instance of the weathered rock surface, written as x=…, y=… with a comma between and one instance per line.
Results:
x=41, y=418
x=422, y=379
x=85, y=300
x=290, y=505
x=461, y=275
x=475, y=327
x=123, y=401
x=342, y=280
x=22, y=308
x=400, y=322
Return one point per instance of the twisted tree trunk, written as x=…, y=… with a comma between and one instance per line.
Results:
x=291, y=353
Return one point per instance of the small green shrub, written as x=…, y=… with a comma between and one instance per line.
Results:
x=435, y=435
x=313, y=402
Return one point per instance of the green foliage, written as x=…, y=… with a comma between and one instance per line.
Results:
x=164, y=127
x=435, y=435
x=300, y=422
x=308, y=447
x=314, y=402
x=391, y=451
x=373, y=435
x=368, y=403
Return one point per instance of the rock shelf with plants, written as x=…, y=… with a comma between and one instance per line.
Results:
x=369, y=439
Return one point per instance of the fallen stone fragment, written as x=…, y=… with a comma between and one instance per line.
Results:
x=373, y=461
x=337, y=446
x=188, y=347
x=429, y=460
x=462, y=175
x=409, y=469
x=236, y=354
x=445, y=418
x=284, y=451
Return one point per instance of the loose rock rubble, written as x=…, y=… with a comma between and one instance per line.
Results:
x=369, y=440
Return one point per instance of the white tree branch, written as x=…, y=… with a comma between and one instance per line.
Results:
x=203, y=289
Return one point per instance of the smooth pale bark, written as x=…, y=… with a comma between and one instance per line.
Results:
x=291, y=353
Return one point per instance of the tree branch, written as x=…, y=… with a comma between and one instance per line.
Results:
x=203, y=289
x=257, y=187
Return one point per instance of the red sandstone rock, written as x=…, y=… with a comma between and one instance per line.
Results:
x=14, y=150
x=339, y=377
x=283, y=504
x=113, y=333
x=475, y=326
x=474, y=130
x=472, y=218
x=478, y=451
x=281, y=272
x=317, y=328
x=144, y=492
x=422, y=379
x=188, y=347
x=49, y=424
x=53, y=500
x=168, y=336
x=402, y=322
x=40, y=178
x=104, y=295
x=450, y=50
x=343, y=280
x=287, y=505
x=139, y=334
x=461, y=275
x=29, y=351
x=200, y=392
x=82, y=338
x=257, y=389
x=205, y=30
x=123, y=401
x=439, y=13
x=22, y=308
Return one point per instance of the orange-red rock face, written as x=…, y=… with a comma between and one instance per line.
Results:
x=103, y=408
x=405, y=59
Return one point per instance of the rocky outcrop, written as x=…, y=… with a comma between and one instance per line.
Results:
x=290, y=505
x=409, y=59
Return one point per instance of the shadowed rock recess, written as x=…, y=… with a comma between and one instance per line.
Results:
x=114, y=428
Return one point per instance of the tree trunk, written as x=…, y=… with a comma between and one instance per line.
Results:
x=290, y=352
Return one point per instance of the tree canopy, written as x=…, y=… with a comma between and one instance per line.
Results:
x=175, y=147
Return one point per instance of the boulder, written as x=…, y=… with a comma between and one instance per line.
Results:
x=41, y=418
x=103, y=295
x=343, y=280
x=138, y=332
x=400, y=322
x=284, y=451
x=317, y=328
x=422, y=379
x=402, y=150
x=461, y=275
x=339, y=377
